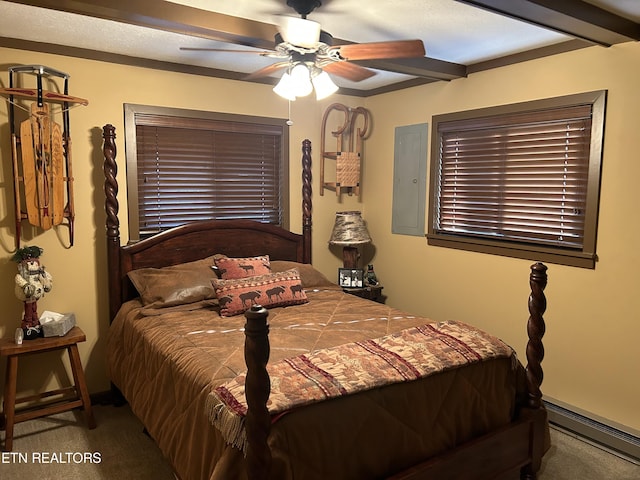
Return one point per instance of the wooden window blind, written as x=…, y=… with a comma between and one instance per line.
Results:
x=521, y=178
x=193, y=168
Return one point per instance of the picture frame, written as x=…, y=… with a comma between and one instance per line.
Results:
x=351, y=277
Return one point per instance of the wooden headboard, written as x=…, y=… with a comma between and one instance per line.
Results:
x=193, y=241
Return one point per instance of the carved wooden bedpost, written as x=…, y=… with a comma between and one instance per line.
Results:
x=256, y=352
x=535, y=354
x=535, y=330
x=306, y=199
x=257, y=390
x=111, y=207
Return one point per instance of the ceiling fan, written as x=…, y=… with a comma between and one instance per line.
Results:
x=308, y=55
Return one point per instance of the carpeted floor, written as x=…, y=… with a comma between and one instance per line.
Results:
x=119, y=450
x=571, y=458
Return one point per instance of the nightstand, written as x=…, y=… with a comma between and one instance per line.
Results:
x=370, y=293
x=67, y=398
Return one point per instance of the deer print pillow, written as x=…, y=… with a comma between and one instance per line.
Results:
x=230, y=268
x=273, y=290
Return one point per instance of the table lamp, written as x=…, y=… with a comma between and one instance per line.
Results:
x=349, y=231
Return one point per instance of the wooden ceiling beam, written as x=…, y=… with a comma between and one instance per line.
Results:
x=575, y=18
x=170, y=17
x=424, y=67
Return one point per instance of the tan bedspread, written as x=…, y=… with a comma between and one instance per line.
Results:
x=167, y=364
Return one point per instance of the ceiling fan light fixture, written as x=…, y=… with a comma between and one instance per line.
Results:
x=323, y=85
x=301, y=80
x=301, y=32
x=285, y=87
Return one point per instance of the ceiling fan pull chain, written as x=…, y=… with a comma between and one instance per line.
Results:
x=289, y=122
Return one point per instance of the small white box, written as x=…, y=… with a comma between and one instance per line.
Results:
x=57, y=324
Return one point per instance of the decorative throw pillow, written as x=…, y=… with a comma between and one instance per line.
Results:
x=175, y=285
x=231, y=268
x=274, y=290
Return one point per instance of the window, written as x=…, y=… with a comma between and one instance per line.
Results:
x=520, y=180
x=186, y=165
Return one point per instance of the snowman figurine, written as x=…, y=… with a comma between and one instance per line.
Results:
x=31, y=283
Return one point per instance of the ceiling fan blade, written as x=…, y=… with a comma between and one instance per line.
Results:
x=350, y=71
x=379, y=50
x=268, y=70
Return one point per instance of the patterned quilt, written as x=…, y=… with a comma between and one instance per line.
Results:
x=403, y=356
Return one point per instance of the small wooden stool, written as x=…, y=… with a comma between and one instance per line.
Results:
x=72, y=397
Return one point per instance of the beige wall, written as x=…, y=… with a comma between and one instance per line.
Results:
x=593, y=316
x=590, y=362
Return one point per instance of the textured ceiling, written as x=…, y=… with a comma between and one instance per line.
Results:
x=460, y=37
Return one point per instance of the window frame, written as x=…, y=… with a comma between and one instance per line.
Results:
x=585, y=257
x=175, y=118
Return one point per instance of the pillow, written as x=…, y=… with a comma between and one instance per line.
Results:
x=230, y=268
x=309, y=276
x=175, y=285
x=274, y=290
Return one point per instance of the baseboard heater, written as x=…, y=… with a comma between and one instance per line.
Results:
x=617, y=439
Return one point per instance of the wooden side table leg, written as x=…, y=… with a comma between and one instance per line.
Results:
x=81, y=385
x=9, y=404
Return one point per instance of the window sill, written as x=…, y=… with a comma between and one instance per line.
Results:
x=515, y=250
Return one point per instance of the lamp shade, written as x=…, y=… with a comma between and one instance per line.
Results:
x=301, y=80
x=349, y=229
x=300, y=32
x=284, y=88
x=323, y=85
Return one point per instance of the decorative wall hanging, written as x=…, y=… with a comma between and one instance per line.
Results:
x=348, y=157
x=41, y=150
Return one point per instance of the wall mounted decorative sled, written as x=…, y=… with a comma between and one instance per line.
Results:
x=41, y=150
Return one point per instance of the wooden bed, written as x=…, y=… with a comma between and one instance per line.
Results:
x=512, y=450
